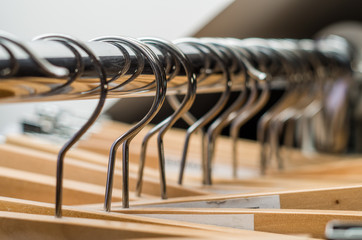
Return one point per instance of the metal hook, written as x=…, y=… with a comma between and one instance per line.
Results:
x=218, y=106
x=253, y=74
x=296, y=126
x=73, y=76
x=140, y=67
x=232, y=112
x=14, y=65
x=43, y=65
x=225, y=118
x=173, y=65
x=254, y=105
x=123, y=70
x=126, y=65
x=289, y=65
x=288, y=116
x=313, y=133
x=308, y=105
x=126, y=138
x=175, y=103
x=102, y=97
x=171, y=120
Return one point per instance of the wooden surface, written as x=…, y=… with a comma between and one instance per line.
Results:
x=29, y=226
x=149, y=226
x=282, y=221
x=335, y=198
x=80, y=165
x=38, y=187
x=298, y=201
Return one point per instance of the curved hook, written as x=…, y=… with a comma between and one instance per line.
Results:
x=171, y=120
x=140, y=67
x=175, y=103
x=218, y=106
x=72, y=76
x=126, y=138
x=217, y=125
x=289, y=67
x=308, y=93
x=126, y=65
x=232, y=112
x=7, y=72
x=123, y=70
x=43, y=64
x=102, y=97
x=253, y=106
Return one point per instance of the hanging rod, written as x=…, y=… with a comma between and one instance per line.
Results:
x=29, y=83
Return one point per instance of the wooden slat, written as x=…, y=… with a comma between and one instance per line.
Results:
x=38, y=187
x=30, y=226
x=23, y=206
x=267, y=220
x=334, y=198
x=30, y=160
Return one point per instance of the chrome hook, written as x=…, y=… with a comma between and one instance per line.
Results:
x=289, y=68
x=233, y=111
x=103, y=95
x=253, y=106
x=238, y=69
x=126, y=138
x=171, y=120
x=175, y=103
x=14, y=65
x=218, y=106
x=43, y=64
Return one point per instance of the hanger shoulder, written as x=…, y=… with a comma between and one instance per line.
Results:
x=26, y=158
x=38, y=187
x=31, y=226
x=281, y=221
x=37, y=211
x=329, y=198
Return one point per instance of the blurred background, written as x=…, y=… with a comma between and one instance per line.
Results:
x=169, y=20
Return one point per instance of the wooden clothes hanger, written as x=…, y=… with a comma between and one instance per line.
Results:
x=35, y=214
x=293, y=220
x=35, y=158
x=92, y=171
x=20, y=160
x=281, y=221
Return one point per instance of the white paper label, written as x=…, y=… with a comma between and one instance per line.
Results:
x=271, y=201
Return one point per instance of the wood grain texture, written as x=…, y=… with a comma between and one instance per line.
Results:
x=37, y=209
x=334, y=198
x=281, y=221
x=80, y=166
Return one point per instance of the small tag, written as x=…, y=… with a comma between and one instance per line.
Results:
x=271, y=201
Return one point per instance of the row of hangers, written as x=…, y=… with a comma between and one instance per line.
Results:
x=298, y=205
x=310, y=68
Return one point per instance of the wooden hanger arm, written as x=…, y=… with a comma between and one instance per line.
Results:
x=30, y=207
x=332, y=198
x=38, y=187
x=281, y=221
x=27, y=159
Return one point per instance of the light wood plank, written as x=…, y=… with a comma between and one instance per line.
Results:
x=281, y=221
x=333, y=198
x=35, y=161
x=24, y=206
